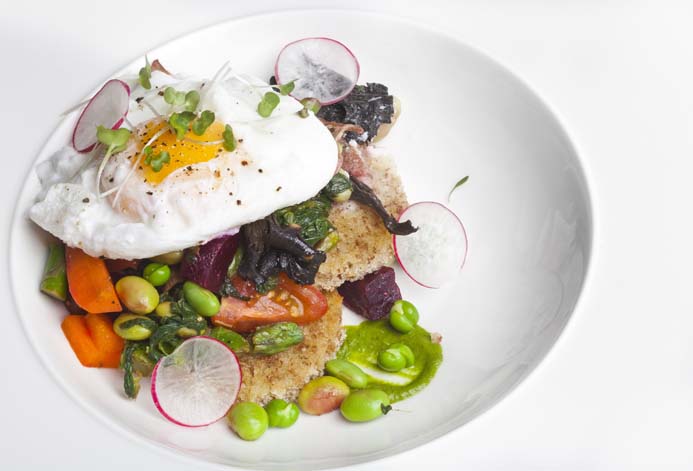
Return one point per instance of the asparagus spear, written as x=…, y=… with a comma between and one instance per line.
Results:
x=54, y=281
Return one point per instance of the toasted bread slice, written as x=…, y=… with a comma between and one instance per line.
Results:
x=282, y=375
x=364, y=243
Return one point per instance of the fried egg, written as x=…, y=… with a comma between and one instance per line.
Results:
x=133, y=212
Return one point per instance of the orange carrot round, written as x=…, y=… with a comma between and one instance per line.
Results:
x=109, y=343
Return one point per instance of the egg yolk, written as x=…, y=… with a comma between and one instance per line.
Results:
x=192, y=149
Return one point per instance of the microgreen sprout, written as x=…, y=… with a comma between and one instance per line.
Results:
x=156, y=161
x=269, y=102
x=457, y=185
x=205, y=120
x=189, y=100
x=309, y=104
x=180, y=122
x=116, y=140
x=287, y=88
x=229, y=139
x=146, y=75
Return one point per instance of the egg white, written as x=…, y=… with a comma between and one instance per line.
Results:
x=288, y=159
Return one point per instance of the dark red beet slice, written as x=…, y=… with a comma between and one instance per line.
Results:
x=207, y=267
x=373, y=296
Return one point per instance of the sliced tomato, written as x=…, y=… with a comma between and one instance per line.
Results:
x=288, y=302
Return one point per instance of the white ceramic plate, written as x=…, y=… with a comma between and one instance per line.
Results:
x=526, y=209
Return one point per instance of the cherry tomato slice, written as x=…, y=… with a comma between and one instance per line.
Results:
x=288, y=302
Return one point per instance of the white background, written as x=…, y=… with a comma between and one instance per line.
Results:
x=617, y=390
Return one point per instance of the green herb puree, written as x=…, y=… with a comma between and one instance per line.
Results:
x=364, y=342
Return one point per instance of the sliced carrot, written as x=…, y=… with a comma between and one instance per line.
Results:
x=110, y=345
x=89, y=282
x=76, y=331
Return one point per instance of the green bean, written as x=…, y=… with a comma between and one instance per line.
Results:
x=248, y=420
x=138, y=295
x=345, y=370
x=392, y=360
x=406, y=352
x=403, y=316
x=203, y=301
x=281, y=414
x=132, y=327
x=157, y=273
x=54, y=281
x=365, y=404
x=276, y=338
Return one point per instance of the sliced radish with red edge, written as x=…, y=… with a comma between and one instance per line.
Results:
x=197, y=384
x=323, y=68
x=435, y=253
x=107, y=108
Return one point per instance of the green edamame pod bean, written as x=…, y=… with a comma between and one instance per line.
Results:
x=132, y=327
x=248, y=420
x=157, y=273
x=138, y=295
x=163, y=309
x=170, y=258
x=403, y=316
x=276, y=338
x=345, y=370
x=392, y=360
x=406, y=352
x=365, y=404
x=203, y=301
x=281, y=414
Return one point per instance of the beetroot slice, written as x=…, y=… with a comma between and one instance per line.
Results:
x=373, y=296
x=208, y=266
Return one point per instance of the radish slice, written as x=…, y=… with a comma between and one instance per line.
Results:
x=197, y=384
x=323, y=68
x=107, y=108
x=434, y=254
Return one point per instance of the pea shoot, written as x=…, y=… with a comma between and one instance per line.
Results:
x=309, y=104
x=146, y=75
x=180, y=122
x=204, y=121
x=155, y=161
x=287, y=88
x=188, y=100
x=229, y=139
x=269, y=102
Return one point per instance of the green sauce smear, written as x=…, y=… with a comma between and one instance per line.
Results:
x=364, y=342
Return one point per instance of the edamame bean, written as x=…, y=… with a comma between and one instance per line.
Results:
x=132, y=327
x=233, y=340
x=365, y=404
x=403, y=316
x=345, y=370
x=170, y=258
x=248, y=420
x=322, y=395
x=281, y=414
x=138, y=295
x=157, y=273
x=406, y=352
x=392, y=360
x=163, y=309
x=203, y=301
